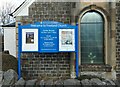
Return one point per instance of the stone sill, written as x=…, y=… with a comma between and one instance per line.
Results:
x=95, y=67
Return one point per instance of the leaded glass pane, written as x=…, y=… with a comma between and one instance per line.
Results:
x=92, y=35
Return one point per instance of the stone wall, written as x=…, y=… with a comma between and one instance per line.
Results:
x=45, y=65
x=55, y=11
x=118, y=40
x=52, y=11
x=10, y=79
x=55, y=65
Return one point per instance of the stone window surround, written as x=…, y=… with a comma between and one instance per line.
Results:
x=106, y=29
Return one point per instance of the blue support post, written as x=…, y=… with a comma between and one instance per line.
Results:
x=77, y=54
x=19, y=51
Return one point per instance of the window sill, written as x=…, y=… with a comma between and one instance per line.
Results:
x=95, y=67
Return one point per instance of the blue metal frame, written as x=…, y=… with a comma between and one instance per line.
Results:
x=44, y=24
x=19, y=51
x=77, y=52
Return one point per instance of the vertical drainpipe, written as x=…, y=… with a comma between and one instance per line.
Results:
x=19, y=51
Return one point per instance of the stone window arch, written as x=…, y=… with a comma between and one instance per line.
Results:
x=106, y=35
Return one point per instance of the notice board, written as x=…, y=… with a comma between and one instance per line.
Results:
x=47, y=37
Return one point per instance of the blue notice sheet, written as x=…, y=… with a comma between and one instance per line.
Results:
x=48, y=39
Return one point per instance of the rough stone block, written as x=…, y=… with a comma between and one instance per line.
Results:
x=20, y=83
x=10, y=77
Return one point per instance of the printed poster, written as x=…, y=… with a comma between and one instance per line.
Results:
x=66, y=40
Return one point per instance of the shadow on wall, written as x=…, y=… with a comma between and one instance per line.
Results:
x=1, y=42
x=9, y=62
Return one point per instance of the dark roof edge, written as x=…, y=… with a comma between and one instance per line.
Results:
x=9, y=25
x=11, y=14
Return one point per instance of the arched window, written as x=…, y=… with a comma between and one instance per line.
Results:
x=92, y=38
